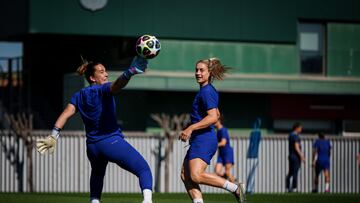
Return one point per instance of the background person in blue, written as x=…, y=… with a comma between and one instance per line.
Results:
x=203, y=141
x=253, y=155
x=321, y=161
x=295, y=157
x=225, y=159
x=105, y=141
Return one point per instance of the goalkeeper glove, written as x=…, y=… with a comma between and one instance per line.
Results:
x=48, y=144
x=138, y=66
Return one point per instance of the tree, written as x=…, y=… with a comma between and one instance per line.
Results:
x=171, y=126
x=22, y=125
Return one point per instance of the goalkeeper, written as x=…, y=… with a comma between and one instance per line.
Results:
x=104, y=139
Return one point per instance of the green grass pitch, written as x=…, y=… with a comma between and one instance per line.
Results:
x=177, y=198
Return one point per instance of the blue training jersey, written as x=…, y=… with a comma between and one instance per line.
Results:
x=223, y=133
x=323, y=147
x=96, y=106
x=293, y=138
x=207, y=98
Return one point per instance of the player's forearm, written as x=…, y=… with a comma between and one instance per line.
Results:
x=298, y=150
x=137, y=66
x=205, y=122
x=64, y=116
x=60, y=122
x=118, y=84
x=313, y=156
x=299, y=153
x=222, y=143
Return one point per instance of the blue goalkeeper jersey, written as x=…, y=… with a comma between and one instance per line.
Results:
x=96, y=106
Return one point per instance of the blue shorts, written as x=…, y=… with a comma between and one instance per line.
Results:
x=321, y=165
x=226, y=157
x=202, y=146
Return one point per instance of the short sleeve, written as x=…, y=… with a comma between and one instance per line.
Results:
x=226, y=134
x=210, y=99
x=74, y=99
x=105, y=88
x=296, y=138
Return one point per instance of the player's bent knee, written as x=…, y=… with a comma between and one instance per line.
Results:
x=195, y=177
x=144, y=171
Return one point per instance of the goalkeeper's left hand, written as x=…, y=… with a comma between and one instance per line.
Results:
x=48, y=144
x=138, y=66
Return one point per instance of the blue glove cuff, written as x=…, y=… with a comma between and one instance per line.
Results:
x=127, y=74
x=55, y=132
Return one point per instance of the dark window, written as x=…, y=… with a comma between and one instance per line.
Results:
x=311, y=44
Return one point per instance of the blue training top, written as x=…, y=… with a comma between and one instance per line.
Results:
x=96, y=105
x=223, y=133
x=207, y=98
x=323, y=148
x=293, y=138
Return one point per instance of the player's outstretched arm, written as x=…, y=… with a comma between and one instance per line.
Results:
x=48, y=144
x=137, y=66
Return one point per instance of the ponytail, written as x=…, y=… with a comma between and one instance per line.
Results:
x=216, y=69
x=87, y=68
x=82, y=68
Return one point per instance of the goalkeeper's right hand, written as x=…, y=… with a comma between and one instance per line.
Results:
x=48, y=144
x=138, y=66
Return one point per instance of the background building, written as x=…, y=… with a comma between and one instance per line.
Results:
x=291, y=60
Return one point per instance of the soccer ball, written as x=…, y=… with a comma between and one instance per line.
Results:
x=148, y=46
